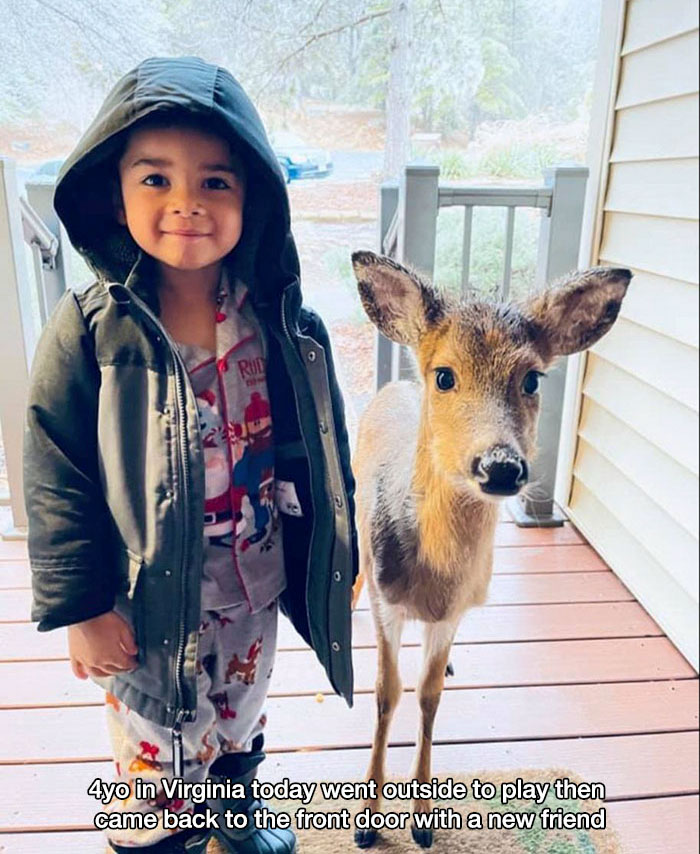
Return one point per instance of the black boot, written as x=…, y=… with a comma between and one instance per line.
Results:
x=242, y=768
x=184, y=842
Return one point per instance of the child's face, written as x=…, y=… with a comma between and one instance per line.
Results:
x=182, y=194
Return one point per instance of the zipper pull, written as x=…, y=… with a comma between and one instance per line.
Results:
x=178, y=758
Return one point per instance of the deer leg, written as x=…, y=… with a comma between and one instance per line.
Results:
x=389, y=623
x=437, y=642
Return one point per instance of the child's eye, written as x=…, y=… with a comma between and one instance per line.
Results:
x=216, y=184
x=154, y=181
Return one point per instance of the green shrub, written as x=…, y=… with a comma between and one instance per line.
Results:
x=455, y=165
x=519, y=160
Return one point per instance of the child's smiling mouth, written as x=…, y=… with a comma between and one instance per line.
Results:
x=188, y=234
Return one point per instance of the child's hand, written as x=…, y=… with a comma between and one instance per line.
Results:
x=101, y=646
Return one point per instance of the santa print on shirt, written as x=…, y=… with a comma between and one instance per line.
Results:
x=238, y=458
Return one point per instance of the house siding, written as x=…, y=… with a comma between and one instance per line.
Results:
x=634, y=484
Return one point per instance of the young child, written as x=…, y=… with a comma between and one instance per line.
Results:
x=186, y=459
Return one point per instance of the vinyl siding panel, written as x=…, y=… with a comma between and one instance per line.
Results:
x=655, y=529
x=665, y=305
x=660, y=419
x=634, y=484
x=648, y=356
x=665, y=481
x=655, y=187
x=667, y=247
x=659, y=71
x=672, y=608
x=662, y=130
x=649, y=22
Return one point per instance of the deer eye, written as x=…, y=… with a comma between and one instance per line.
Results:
x=531, y=383
x=444, y=379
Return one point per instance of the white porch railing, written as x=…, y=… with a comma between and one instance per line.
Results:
x=408, y=219
x=408, y=227
x=26, y=300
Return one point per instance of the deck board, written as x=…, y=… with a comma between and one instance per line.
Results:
x=657, y=825
x=507, y=559
x=561, y=668
x=521, y=589
x=489, y=714
x=299, y=673
x=527, y=623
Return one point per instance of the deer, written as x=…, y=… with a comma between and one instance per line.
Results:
x=437, y=454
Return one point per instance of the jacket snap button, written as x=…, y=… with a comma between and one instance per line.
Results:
x=165, y=410
x=338, y=501
x=335, y=646
x=167, y=573
x=337, y=576
x=323, y=426
x=311, y=355
x=166, y=641
x=168, y=493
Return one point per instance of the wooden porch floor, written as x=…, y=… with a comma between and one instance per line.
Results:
x=562, y=668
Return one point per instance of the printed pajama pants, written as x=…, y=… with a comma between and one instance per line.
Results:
x=235, y=659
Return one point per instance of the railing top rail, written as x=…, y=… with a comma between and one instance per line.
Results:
x=516, y=197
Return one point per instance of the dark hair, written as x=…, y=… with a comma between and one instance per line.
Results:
x=174, y=117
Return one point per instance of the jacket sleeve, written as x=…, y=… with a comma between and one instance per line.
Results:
x=68, y=518
x=320, y=333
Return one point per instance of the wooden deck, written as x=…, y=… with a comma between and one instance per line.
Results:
x=562, y=668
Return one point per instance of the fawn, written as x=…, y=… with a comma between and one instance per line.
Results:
x=435, y=457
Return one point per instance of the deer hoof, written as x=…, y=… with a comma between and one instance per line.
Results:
x=450, y=669
x=365, y=838
x=423, y=837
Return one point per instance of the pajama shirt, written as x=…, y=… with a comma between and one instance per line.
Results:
x=242, y=574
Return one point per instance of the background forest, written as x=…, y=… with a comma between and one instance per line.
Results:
x=469, y=62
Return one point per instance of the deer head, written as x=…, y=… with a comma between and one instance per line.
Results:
x=481, y=362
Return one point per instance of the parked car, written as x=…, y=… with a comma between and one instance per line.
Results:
x=299, y=160
x=49, y=169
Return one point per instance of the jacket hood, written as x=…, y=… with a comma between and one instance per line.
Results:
x=265, y=257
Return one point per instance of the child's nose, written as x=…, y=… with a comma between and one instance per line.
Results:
x=186, y=205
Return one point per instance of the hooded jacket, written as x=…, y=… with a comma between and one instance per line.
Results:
x=113, y=459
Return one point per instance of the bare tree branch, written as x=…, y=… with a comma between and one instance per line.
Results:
x=364, y=19
x=316, y=16
x=82, y=26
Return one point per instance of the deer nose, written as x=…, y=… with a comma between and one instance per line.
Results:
x=500, y=471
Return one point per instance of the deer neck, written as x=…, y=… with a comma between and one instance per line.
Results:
x=454, y=525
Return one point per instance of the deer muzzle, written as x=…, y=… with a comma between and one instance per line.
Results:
x=500, y=471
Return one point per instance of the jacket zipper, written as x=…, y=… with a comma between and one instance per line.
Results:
x=181, y=714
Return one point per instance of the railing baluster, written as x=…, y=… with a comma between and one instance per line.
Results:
x=388, y=204
x=508, y=259
x=392, y=235
x=17, y=338
x=466, y=248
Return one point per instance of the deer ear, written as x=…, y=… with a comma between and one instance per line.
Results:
x=574, y=314
x=399, y=303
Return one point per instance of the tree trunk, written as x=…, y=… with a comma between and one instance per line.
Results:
x=398, y=100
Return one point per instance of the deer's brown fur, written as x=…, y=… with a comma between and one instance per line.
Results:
x=427, y=461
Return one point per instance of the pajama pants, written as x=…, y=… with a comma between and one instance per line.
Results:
x=235, y=657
